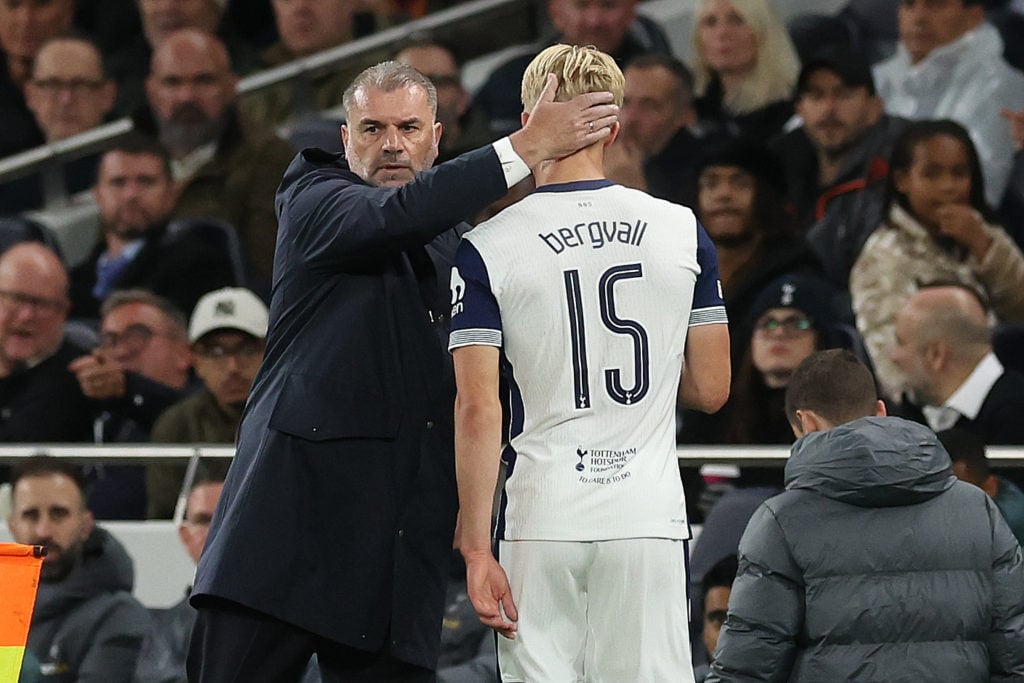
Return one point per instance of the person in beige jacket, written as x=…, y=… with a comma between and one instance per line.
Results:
x=938, y=229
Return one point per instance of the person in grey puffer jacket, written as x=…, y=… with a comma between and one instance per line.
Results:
x=876, y=564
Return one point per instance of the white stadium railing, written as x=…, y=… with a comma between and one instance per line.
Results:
x=133, y=454
x=163, y=570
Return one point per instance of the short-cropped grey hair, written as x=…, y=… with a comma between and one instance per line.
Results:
x=389, y=76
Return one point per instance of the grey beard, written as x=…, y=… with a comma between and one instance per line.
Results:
x=182, y=138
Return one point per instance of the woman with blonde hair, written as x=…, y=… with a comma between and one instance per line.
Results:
x=745, y=68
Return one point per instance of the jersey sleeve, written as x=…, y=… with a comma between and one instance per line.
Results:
x=476, y=318
x=708, y=304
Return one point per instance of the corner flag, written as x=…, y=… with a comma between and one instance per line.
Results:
x=19, y=575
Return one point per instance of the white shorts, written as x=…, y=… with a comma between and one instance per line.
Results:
x=597, y=611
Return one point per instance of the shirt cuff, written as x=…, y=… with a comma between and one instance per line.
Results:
x=512, y=165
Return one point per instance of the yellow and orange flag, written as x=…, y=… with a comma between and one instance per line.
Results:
x=19, y=576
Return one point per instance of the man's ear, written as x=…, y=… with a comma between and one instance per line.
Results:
x=880, y=409
x=524, y=117
x=899, y=180
x=991, y=486
x=616, y=129
x=935, y=354
x=88, y=524
x=809, y=421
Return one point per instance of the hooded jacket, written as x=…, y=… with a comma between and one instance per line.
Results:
x=876, y=564
x=966, y=81
x=87, y=627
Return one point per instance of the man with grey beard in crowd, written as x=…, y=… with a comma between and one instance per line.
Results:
x=225, y=168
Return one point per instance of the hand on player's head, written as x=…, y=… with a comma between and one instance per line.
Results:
x=554, y=130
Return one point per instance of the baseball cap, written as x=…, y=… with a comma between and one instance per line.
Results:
x=852, y=68
x=230, y=308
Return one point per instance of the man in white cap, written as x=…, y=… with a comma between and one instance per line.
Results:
x=227, y=332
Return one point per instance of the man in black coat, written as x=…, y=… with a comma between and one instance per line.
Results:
x=139, y=248
x=836, y=163
x=334, y=530
x=952, y=377
x=40, y=399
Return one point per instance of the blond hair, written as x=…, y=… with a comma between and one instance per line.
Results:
x=579, y=69
x=774, y=74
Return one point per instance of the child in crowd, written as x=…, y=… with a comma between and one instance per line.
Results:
x=938, y=228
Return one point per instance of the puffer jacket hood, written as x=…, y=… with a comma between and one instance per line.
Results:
x=871, y=462
x=105, y=567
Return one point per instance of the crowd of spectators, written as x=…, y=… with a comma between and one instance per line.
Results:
x=860, y=173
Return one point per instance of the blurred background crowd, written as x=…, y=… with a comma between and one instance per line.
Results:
x=856, y=163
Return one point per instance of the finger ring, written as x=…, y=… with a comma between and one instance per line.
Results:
x=590, y=127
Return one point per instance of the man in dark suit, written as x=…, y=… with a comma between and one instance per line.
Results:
x=136, y=195
x=951, y=375
x=334, y=530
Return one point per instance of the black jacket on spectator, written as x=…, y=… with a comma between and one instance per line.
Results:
x=44, y=404
x=841, y=217
x=181, y=267
x=18, y=129
x=876, y=564
x=758, y=125
x=671, y=174
x=119, y=491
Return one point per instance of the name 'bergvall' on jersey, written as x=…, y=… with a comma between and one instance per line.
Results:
x=596, y=233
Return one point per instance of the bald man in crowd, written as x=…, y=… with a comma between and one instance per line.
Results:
x=33, y=353
x=226, y=168
x=160, y=19
x=951, y=375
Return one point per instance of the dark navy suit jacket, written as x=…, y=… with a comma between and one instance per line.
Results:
x=340, y=504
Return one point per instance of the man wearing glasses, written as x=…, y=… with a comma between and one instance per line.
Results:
x=142, y=366
x=68, y=93
x=227, y=332
x=33, y=354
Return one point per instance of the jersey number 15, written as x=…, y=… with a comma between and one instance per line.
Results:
x=631, y=328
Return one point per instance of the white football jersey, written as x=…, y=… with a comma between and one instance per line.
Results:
x=588, y=288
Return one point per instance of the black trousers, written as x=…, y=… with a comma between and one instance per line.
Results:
x=234, y=644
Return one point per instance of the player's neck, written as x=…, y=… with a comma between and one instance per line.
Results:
x=587, y=164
